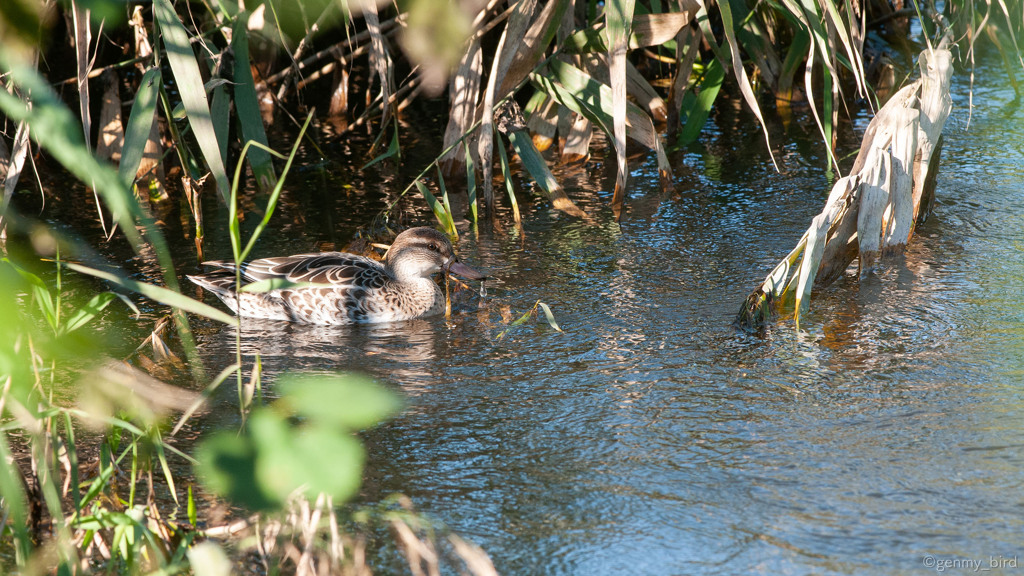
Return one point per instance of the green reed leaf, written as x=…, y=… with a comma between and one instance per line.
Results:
x=271, y=284
x=275, y=194
x=159, y=445
x=247, y=106
x=394, y=151
x=190, y=508
x=40, y=293
x=157, y=293
x=82, y=316
x=15, y=503
x=714, y=75
x=140, y=124
x=207, y=392
x=443, y=215
x=471, y=182
x=506, y=172
x=191, y=89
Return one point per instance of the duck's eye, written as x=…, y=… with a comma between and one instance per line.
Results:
x=434, y=248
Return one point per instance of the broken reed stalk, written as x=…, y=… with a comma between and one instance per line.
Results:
x=340, y=50
x=871, y=212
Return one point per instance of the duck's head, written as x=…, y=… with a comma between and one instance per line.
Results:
x=422, y=252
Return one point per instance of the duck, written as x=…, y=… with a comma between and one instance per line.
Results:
x=337, y=288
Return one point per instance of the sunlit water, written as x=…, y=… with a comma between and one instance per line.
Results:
x=651, y=437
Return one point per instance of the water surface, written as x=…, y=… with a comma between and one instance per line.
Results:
x=650, y=437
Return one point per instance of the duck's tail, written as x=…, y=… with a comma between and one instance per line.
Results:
x=249, y=304
x=221, y=283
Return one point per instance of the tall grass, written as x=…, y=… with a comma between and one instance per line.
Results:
x=594, y=65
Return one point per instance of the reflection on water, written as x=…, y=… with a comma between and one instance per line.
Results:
x=651, y=438
x=407, y=352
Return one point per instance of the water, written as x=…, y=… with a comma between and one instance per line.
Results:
x=650, y=437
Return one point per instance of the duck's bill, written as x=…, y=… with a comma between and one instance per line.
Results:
x=460, y=269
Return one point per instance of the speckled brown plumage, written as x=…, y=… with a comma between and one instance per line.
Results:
x=340, y=288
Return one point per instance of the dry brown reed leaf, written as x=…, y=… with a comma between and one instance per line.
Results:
x=577, y=142
x=617, y=22
x=872, y=211
x=464, y=97
x=419, y=553
x=687, y=45
x=381, y=59
x=645, y=95
x=118, y=386
x=543, y=125
x=111, y=136
x=12, y=169
x=477, y=561
x=518, y=24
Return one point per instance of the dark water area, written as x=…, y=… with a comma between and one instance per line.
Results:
x=651, y=437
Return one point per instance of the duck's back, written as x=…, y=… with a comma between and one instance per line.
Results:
x=347, y=289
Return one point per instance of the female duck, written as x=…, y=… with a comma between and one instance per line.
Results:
x=348, y=289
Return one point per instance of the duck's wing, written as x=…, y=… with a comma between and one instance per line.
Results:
x=336, y=268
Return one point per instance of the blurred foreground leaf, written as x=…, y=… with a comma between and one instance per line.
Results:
x=350, y=402
x=275, y=458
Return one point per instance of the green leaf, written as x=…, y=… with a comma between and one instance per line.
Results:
x=393, y=151
x=227, y=467
x=739, y=71
x=454, y=232
x=581, y=93
x=275, y=195
x=271, y=284
x=40, y=293
x=548, y=317
x=313, y=458
x=506, y=172
x=11, y=488
x=159, y=445
x=471, y=181
x=526, y=316
x=191, y=507
x=207, y=392
x=83, y=315
x=247, y=106
x=330, y=462
x=587, y=40
x=714, y=75
x=533, y=161
x=348, y=401
x=140, y=124
x=158, y=293
x=220, y=111
x=539, y=171
x=277, y=470
x=794, y=62
x=191, y=89
x=57, y=130
x=443, y=215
